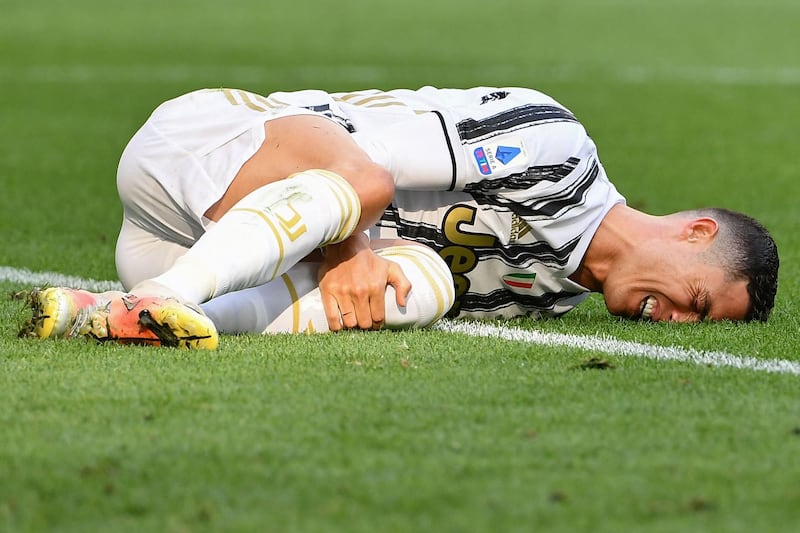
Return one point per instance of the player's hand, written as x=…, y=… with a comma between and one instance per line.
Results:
x=353, y=281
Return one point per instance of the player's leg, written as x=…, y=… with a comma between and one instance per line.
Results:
x=293, y=304
x=267, y=219
x=308, y=185
x=62, y=312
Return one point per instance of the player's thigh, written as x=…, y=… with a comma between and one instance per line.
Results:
x=301, y=142
x=142, y=255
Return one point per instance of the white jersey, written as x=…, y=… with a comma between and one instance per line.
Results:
x=504, y=183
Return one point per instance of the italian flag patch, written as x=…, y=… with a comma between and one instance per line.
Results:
x=519, y=281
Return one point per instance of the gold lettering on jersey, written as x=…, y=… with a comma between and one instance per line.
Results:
x=461, y=286
x=460, y=259
x=455, y=222
x=460, y=256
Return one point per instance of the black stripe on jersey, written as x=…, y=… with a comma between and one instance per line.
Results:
x=470, y=129
x=500, y=298
x=513, y=255
x=449, y=149
x=428, y=235
x=525, y=179
x=525, y=255
x=545, y=206
x=571, y=197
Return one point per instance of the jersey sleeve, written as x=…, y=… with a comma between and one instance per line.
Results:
x=561, y=196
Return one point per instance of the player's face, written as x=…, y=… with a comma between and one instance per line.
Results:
x=677, y=288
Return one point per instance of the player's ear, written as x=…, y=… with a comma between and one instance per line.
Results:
x=701, y=229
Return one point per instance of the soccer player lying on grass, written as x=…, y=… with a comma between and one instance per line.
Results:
x=226, y=191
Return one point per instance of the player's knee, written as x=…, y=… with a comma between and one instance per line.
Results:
x=374, y=186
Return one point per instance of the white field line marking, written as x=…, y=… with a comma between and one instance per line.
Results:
x=370, y=74
x=607, y=345
x=54, y=279
x=618, y=347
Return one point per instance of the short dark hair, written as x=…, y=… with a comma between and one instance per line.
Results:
x=746, y=251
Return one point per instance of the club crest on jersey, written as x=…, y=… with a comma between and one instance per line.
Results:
x=492, y=157
x=521, y=280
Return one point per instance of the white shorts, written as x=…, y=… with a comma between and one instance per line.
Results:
x=179, y=163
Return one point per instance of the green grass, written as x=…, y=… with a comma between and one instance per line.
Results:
x=416, y=431
x=390, y=431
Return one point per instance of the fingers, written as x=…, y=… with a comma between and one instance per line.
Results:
x=354, y=291
x=365, y=307
x=346, y=311
x=349, y=320
x=401, y=284
x=332, y=313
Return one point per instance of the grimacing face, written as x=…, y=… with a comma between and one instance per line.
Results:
x=676, y=286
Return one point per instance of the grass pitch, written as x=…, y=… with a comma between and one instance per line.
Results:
x=690, y=103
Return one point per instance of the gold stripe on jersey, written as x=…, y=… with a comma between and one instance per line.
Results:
x=370, y=99
x=239, y=97
x=358, y=94
x=388, y=104
x=229, y=96
x=280, y=103
x=266, y=101
x=249, y=103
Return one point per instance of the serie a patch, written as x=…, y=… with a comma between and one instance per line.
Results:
x=492, y=157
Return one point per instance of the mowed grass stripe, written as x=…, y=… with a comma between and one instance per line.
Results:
x=361, y=74
x=607, y=345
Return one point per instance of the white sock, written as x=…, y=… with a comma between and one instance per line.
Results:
x=252, y=310
x=265, y=234
x=292, y=304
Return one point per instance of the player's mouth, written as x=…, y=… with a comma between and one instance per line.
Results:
x=646, y=308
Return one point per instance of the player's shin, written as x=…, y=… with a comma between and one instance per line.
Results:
x=293, y=304
x=265, y=234
x=253, y=310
